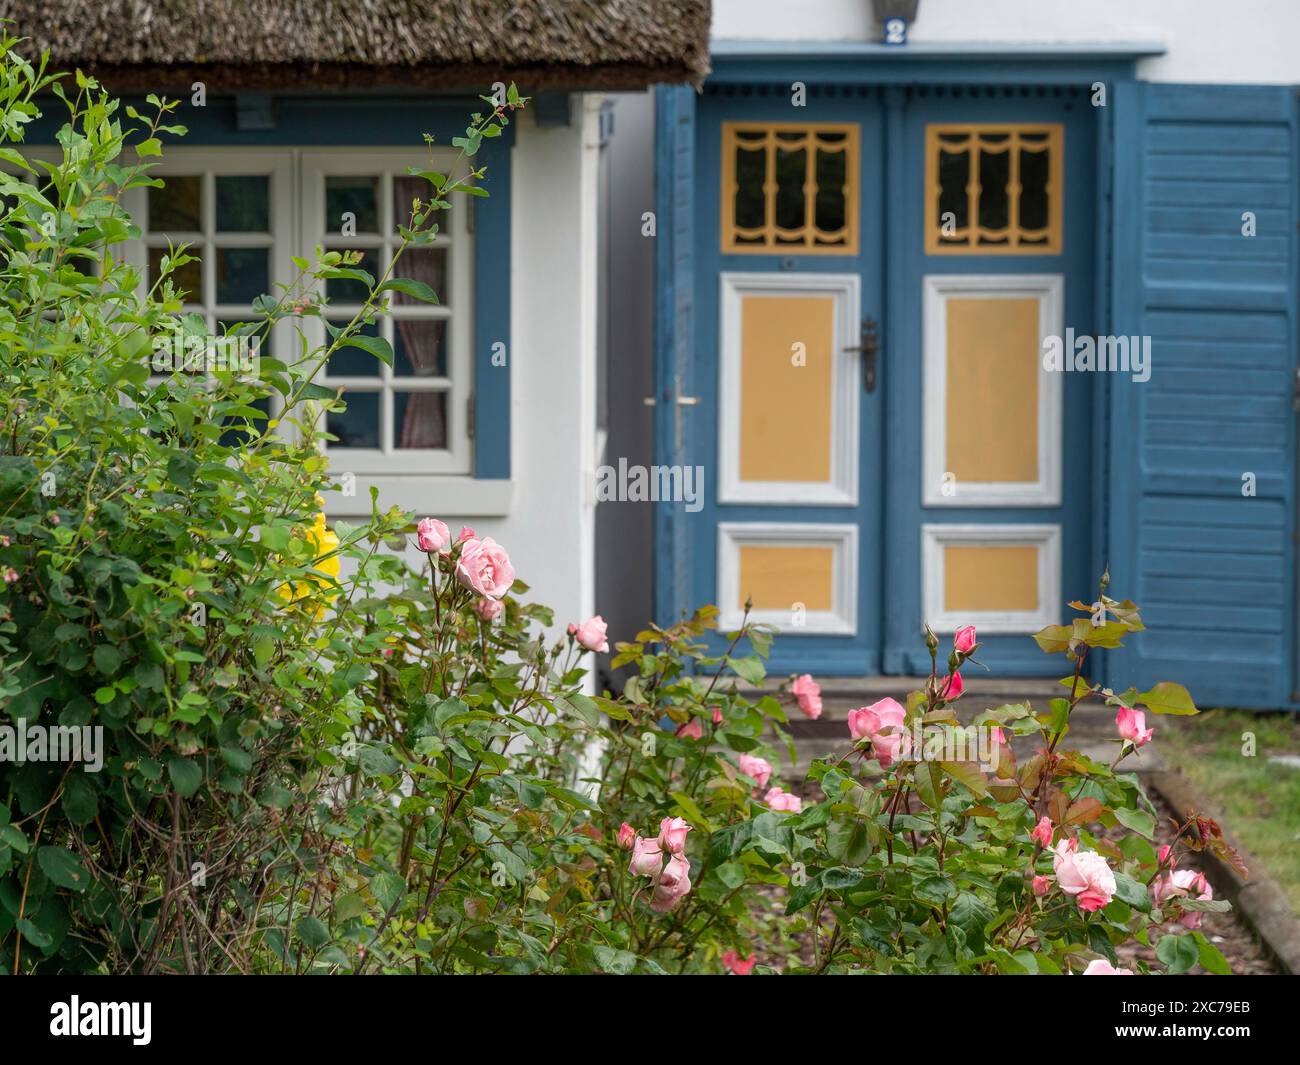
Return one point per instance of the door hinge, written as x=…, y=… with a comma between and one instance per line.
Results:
x=469, y=417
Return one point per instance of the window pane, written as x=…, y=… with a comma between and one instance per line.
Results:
x=420, y=348
x=954, y=204
x=243, y=204
x=244, y=428
x=420, y=419
x=353, y=362
x=423, y=264
x=1033, y=183
x=357, y=196
x=345, y=290
x=407, y=189
x=243, y=274
x=358, y=426
x=832, y=175
x=791, y=174
x=177, y=207
x=995, y=177
x=750, y=202
x=187, y=278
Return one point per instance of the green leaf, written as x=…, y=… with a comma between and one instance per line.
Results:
x=315, y=391
x=410, y=287
x=376, y=346
x=107, y=659
x=1139, y=821
x=1211, y=959
x=840, y=877
x=34, y=935
x=388, y=888
x=749, y=669
x=186, y=776
x=1179, y=953
x=63, y=868
x=1054, y=638
x=1131, y=892
x=13, y=838
x=312, y=932
x=615, y=962
x=1168, y=698
x=935, y=889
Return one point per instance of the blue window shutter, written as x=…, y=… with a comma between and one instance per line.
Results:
x=1211, y=567
x=674, y=324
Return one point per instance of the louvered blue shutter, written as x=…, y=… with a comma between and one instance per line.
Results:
x=1211, y=566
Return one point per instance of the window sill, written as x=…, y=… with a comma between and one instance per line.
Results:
x=441, y=496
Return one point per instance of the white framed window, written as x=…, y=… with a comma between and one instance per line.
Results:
x=247, y=213
x=992, y=410
x=999, y=578
x=412, y=417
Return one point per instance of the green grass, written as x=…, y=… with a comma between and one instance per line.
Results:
x=1256, y=801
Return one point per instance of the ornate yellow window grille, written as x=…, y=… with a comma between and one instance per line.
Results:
x=994, y=189
x=790, y=186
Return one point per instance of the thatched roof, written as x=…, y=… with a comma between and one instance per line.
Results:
x=279, y=44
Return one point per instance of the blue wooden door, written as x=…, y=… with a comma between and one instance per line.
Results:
x=783, y=406
x=1202, y=515
x=991, y=452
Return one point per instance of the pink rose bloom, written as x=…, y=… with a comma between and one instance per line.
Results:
x=738, y=965
x=647, y=859
x=779, y=799
x=717, y=715
x=11, y=575
x=672, y=834
x=626, y=836
x=572, y=629
x=1042, y=832
x=489, y=609
x=951, y=687
x=1042, y=885
x=1101, y=967
x=591, y=634
x=1183, y=883
x=1083, y=874
x=758, y=768
x=484, y=567
x=882, y=722
x=1164, y=853
x=691, y=730
x=674, y=884
x=1132, y=725
x=964, y=639
x=466, y=533
x=808, y=694
x=432, y=535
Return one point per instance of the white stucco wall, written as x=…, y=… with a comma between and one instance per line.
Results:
x=1247, y=41
x=550, y=529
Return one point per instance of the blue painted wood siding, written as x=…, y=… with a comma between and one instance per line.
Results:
x=1213, y=568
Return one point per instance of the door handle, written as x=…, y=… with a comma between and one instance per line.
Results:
x=869, y=345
